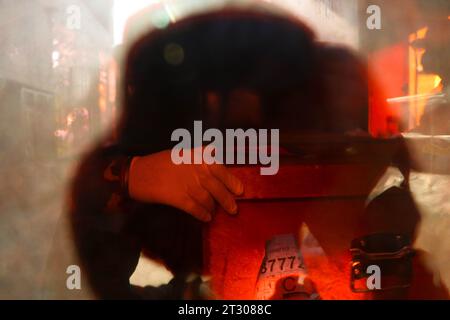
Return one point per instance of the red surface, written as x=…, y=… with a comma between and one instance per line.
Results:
x=234, y=246
x=328, y=198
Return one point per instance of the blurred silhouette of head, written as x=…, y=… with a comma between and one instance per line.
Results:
x=238, y=68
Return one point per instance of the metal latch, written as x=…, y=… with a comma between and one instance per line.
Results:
x=390, y=253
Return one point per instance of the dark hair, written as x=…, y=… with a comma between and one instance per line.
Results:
x=273, y=56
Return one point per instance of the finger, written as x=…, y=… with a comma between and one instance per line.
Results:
x=197, y=210
x=202, y=197
x=220, y=193
x=227, y=178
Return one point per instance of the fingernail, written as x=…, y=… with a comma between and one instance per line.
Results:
x=240, y=189
x=234, y=209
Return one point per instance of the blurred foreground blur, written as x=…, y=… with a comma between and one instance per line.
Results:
x=59, y=76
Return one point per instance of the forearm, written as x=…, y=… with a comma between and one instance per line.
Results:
x=100, y=216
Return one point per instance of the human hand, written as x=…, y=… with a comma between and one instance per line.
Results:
x=193, y=188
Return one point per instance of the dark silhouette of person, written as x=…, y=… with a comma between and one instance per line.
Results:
x=202, y=68
x=232, y=68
